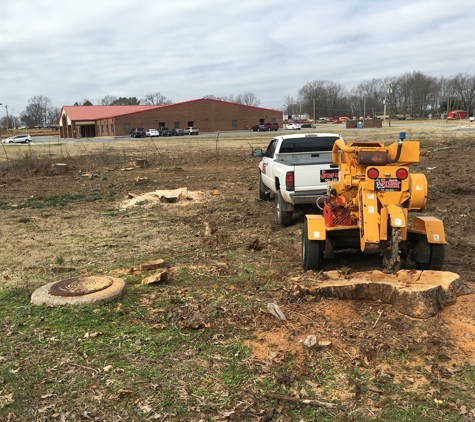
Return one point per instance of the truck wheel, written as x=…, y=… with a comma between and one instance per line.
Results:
x=264, y=192
x=312, y=251
x=283, y=218
x=436, y=260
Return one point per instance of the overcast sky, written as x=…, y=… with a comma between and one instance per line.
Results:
x=71, y=50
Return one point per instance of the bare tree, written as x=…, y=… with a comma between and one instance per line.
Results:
x=52, y=115
x=229, y=98
x=329, y=97
x=108, y=100
x=368, y=97
x=156, y=99
x=290, y=105
x=463, y=90
x=248, y=98
x=36, y=113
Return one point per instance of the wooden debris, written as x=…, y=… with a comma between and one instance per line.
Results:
x=141, y=162
x=60, y=167
x=90, y=175
x=152, y=265
x=310, y=342
x=160, y=277
x=320, y=403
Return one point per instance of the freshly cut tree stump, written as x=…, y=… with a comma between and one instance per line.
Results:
x=419, y=294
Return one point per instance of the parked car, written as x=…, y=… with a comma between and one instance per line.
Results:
x=19, y=139
x=259, y=128
x=137, y=132
x=152, y=132
x=164, y=131
x=178, y=132
x=191, y=130
x=322, y=120
x=472, y=118
x=292, y=126
x=337, y=121
x=271, y=126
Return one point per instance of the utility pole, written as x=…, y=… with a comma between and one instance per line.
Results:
x=6, y=108
x=314, y=110
x=389, y=92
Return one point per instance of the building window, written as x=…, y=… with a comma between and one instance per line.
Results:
x=127, y=127
x=177, y=125
x=112, y=129
x=107, y=129
x=191, y=123
x=274, y=121
x=161, y=124
x=234, y=123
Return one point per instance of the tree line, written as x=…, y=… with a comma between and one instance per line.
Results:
x=411, y=94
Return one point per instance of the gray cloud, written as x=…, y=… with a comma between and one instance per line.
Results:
x=69, y=51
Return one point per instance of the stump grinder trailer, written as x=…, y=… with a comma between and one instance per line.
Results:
x=368, y=208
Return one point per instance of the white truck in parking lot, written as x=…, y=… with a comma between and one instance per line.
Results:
x=295, y=170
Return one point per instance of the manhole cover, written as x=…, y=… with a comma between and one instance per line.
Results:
x=80, y=286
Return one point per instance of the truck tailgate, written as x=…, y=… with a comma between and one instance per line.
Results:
x=311, y=177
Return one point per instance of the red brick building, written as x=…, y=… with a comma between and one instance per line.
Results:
x=208, y=115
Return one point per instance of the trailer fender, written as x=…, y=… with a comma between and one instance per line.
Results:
x=432, y=227
x=316, y=227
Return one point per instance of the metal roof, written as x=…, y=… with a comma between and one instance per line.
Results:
x=99, y=112
x=78, y=113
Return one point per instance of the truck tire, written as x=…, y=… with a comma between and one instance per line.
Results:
x=283, y=218
x=264, y=192
x=312, y=251
x=436, y=260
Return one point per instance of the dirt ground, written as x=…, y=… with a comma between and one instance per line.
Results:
x=219, y=216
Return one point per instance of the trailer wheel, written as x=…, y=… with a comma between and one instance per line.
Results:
x=283, y=218
x=312, y=251
x=264, y=192
x=436, y=259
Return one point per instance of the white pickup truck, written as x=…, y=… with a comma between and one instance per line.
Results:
x=296, y=170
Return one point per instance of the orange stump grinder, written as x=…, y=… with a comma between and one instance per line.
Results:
x=368, y=208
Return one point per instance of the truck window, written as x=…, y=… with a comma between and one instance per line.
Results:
x=308, y=144
x=271, y=148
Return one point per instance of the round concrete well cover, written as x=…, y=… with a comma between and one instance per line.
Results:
x=80, y=286
x=79, y=291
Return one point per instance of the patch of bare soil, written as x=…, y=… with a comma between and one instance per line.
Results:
x=219, y=215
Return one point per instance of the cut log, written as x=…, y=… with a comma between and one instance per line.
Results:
x=170, y=195
x=419, y=294
x=156, y=278
x=152, y=265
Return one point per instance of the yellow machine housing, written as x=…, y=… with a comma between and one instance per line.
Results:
x=368, y=207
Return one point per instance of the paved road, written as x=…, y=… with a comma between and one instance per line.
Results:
x=341, y=128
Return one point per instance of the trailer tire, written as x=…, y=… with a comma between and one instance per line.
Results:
x=264, y=192
x=283, y=218
x=312, y=251
x=436, y=259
